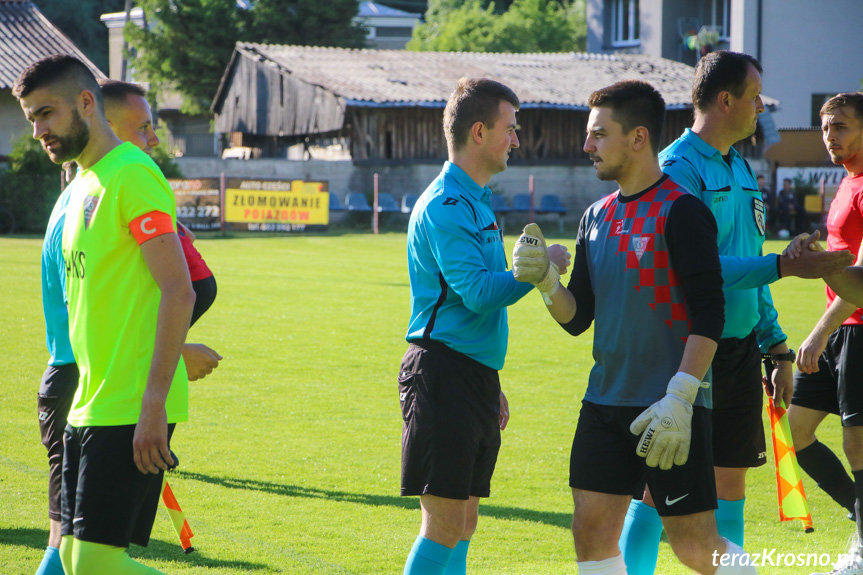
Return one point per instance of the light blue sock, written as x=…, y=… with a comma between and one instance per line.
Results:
x=50, y=564
x=427, y=558
x=458, y=560
x=729, y=520
x=639, y=540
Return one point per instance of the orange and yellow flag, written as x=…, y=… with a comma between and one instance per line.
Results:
x=789, y=485
x=184, y=532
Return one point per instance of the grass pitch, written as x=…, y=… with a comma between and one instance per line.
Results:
x=290, y=462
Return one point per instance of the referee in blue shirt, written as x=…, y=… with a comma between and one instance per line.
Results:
x=452, y=405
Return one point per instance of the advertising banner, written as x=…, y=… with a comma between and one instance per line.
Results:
x=276, y=205
x=198, y=203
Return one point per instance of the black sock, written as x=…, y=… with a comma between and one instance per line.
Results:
x=858, y=489
x=827, y=471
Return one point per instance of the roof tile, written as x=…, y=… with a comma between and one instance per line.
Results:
x=26, y=36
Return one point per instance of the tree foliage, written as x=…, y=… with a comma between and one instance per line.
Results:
x=30, y=188
x=306, y=23
x=82, y=25
x=188, y=44
x=527, y=26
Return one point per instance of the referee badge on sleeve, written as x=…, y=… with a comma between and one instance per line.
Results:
x=758, y=210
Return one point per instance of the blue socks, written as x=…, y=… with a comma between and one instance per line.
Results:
x=458, y=560
x=729, y=520
x=639, y=540
x=428, y=558
x=51, y=564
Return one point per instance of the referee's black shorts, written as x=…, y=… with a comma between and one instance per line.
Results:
x=451, y=436
x=105, y=498
x=738, y=402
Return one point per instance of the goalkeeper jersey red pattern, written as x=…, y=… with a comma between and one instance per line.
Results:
x=641, y=316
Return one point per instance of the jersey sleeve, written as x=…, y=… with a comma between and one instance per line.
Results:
x=580, y=286
x=858, y=200
x=748, y=273
x=141, y=191
x=691, y=235
x=767, y=330
x=455, y=245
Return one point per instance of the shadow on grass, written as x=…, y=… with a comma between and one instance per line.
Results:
x=164, y=551
x=508, y=513
x=38, y=539
x=25, y=537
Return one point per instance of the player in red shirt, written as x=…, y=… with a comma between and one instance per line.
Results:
x=830, y=360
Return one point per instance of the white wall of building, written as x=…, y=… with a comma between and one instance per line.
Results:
x=807, y=48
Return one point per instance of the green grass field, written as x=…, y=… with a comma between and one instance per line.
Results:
x=290, y=462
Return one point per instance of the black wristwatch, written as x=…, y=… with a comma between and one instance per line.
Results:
x=780, y=356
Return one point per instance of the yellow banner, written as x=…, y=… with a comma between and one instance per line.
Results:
x=277, y=202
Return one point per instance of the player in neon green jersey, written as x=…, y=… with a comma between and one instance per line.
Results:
x=130, y=302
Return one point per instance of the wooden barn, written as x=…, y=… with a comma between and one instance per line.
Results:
x=383, y=106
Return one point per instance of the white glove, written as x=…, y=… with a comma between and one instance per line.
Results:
x=666, y=426
x=530, y=262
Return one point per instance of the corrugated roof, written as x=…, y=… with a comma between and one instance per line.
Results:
x=371, y=9
x=26, y=36
x=399, y=77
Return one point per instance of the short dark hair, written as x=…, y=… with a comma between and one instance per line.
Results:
x=719, y=71
x=58, y=70
x=473, y=100
x=116, y=91
x=853, y=100
x=633, y=103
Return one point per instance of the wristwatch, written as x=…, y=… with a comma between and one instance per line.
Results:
x=780, y=356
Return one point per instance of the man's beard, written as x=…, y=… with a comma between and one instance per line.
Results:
x=69, y=146
x=608, y=173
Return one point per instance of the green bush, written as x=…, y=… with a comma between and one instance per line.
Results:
x=28, y=189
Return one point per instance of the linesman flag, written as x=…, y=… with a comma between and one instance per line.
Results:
x=792, y=497
x=184, y=532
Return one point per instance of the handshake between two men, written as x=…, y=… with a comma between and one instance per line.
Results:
x=664, y=427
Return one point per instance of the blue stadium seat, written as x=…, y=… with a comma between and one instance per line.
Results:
x=521, y=203
x=357, y=202
x=551, y=204
x=387, y=203
x=498, y=204
x=335, y=203
x=408, y=202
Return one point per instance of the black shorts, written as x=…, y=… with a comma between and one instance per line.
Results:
x=105, y=498
x=837, y=387
x=738, y=403
x=451, y=435
x=53, y=401
x=205, y=295
x=603, y=460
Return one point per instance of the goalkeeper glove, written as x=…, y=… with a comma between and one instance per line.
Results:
x=530, y=262
x=666, y=426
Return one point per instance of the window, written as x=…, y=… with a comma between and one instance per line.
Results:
x=721, y=17
x=818, y=100
x=394, y=32
x=624, y=22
